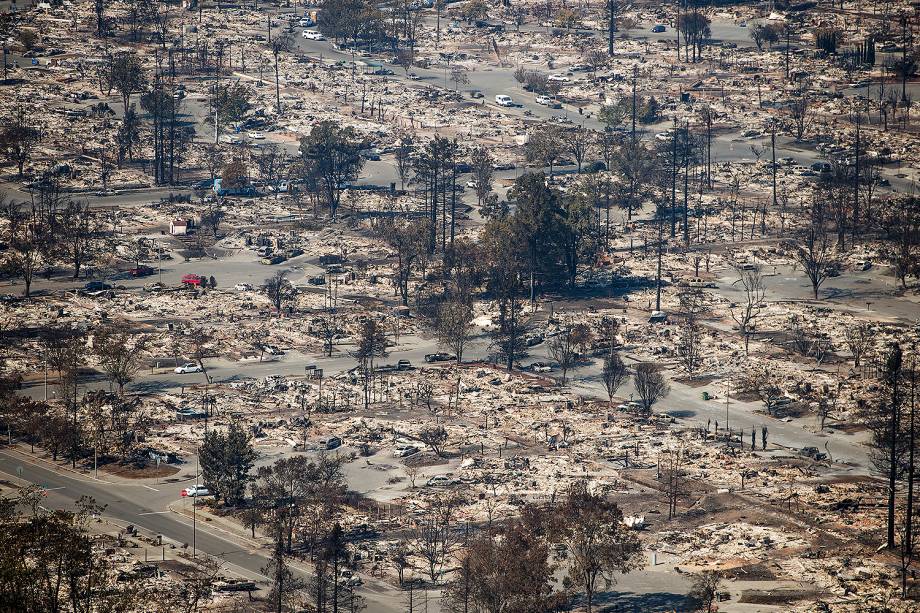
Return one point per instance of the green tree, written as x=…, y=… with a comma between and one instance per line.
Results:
x=127, y=75
x=335, y=153
x=18, y=139
x=599, y=543
x=575, y=235
x=226, y=460
x=482, y=173
x=535, y=222
x=545, y=146
x=506, y=270
x=129, y=135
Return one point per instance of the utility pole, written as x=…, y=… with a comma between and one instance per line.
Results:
x=856, y=173
x=674, y=181
x=677, y=29
x=194, y=504
x=611, y=26
x=635, y=76
x=658, y=273
x=773, y=149
x=728, y=391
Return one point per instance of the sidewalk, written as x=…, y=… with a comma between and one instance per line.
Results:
x=41, y=458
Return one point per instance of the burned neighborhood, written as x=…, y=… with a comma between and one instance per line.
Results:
x=497, y=306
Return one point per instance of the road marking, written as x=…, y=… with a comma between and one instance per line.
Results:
x=152, y=488
x=155, y=513
x=51, y=489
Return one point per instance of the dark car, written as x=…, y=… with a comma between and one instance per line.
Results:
x=142, y=271
x=439, y=357
x=96, y=286
x=463, y=167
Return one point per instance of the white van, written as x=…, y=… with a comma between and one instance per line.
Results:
x=502, y=100
x=313, y=35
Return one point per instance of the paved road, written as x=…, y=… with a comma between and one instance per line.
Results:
x=145, y=506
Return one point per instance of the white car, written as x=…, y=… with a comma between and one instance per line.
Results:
x=545, y=100
x=502, y=100
x=196, y=490
x=187, y=368
x=559, y=78
x=404, y=451
x=441, y=481
x=243, y=287
x=256, y=136
x=306, y=22
x=313, y=35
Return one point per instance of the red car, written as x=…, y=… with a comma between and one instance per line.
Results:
x=194, y=280
x=142, y=271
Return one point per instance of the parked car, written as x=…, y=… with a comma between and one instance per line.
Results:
x=193, y=280
x=404, y=365
x=96, y=286
x=441, y=481
x=194, y=491
x=502, y=100
x=187, y=368
x=404, y=451
x=439, y=357
x=658, y=317
x=658, y=28
x=313, y=35
x=235, y=585
x=329, y=443
x=540, y=367
x=142, y=271
x=191, y=413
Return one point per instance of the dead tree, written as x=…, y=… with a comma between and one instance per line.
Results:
x=859, y=339
x=813, y=251
x=614, y=374
x=672, y=478
x=746, y=314
x=650, y=385
x=562, y=348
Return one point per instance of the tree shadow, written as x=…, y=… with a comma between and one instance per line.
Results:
x=150, y=387
x=630, y=602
